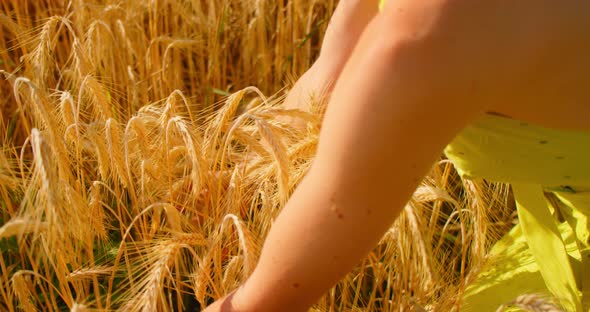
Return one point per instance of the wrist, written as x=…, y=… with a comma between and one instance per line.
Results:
x=235, y=302
x=316, y=82
x=327, y=68
x=322, y=76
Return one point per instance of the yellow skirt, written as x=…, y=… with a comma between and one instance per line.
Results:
x=548, y=251
x=512, y=269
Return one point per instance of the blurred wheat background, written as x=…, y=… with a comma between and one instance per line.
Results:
x=145, y=152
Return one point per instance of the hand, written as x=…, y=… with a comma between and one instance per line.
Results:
x=225, y=304
x=346, y=26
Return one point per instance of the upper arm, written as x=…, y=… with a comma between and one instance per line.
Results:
x=389, y=117
x=398, y=102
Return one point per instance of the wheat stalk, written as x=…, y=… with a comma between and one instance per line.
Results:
x=128, y=126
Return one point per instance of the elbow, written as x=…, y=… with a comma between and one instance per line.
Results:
x=442, y=40
x=428, y=57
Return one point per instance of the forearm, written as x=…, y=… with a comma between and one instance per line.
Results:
x=322, y=233
x=346, y=26
x=386, y=133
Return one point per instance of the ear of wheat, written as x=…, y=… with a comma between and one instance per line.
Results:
x=142, y=164
x=532, y=303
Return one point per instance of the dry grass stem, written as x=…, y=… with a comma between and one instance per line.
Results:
x=142, y=163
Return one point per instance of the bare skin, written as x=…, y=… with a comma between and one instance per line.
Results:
x=419, y=74
x=346, y=26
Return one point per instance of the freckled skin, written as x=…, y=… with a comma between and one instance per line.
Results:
x=400, y=98
x=334, y=208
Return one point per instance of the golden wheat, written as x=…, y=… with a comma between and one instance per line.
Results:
x=140, y=169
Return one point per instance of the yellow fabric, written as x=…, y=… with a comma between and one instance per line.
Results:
x=547, y=247
x=576, y=209
x=539, y=254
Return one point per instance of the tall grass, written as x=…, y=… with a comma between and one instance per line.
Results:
x=141, y=164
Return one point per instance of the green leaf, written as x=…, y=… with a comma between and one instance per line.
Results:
x=220, y=92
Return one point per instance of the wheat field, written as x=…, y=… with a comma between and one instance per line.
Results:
x=145, y=153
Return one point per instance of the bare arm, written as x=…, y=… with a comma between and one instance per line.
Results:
x=422, y=71
x=390, y=116
x=346, y=26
